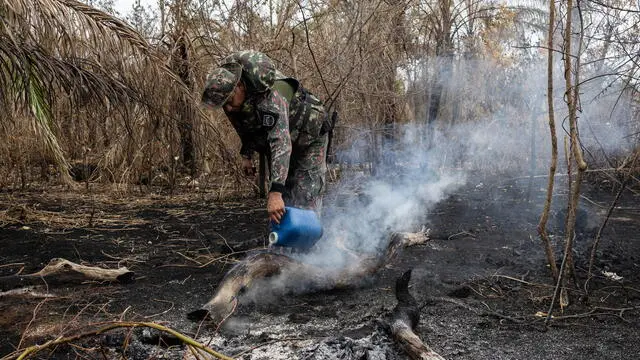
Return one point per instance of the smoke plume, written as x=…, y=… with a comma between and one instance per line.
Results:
x=496, y=125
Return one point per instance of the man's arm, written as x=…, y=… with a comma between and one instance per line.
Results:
x=280, y=144
x=275, y=118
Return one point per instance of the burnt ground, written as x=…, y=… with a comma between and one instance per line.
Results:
x=482, y=279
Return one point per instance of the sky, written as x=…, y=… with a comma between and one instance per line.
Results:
x=124, y=6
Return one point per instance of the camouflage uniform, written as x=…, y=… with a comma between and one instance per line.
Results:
x=292, y=132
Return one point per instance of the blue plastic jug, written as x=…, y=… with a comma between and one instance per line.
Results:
x=298, y=228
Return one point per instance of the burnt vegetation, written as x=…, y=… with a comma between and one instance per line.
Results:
x=506, y=133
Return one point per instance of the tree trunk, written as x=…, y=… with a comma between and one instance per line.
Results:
x=443, y=66
x=181, y=67
x=544, y=217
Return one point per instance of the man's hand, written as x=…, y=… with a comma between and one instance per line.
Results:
x=248, y=168
x=275, y=207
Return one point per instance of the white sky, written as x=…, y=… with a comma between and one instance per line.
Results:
x=124, y=6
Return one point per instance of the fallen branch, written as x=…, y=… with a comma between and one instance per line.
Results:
x=60, y=270
x=412, y=344
x=263, y=265
x=32, y=350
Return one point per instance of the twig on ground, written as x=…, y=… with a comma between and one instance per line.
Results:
x=479, y=312
x=559, y=288
x=119, y=259
x=124, y=313
x=188, y=258
x=200, y=324
x=233, y=309
x=523, y=281
x=620, y=286
x=103, y=308
x=225, y=242
x=163, y=312
x=12, y=265
x=76, y=316
x=587, y=199
x=521, y=320
x=203, y=265
x=195, y=352
x=492, y=312
x=33, y=317
x=631, y=308
x=617, y=312
x=596, y=240
x=478, y=292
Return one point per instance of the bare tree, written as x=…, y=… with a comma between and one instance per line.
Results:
x=542, y=225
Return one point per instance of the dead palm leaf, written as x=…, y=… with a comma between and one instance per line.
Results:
x=48, y=46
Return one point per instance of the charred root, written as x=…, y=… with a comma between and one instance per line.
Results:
x=407, y=309
x=405, y=319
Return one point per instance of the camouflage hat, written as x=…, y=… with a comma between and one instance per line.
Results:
x=258, y=70
x=220, y=84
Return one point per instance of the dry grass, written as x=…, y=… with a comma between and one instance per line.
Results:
x=110, y=98
x=93, y=208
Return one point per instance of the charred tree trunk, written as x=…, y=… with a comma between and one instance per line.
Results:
x=572, y=78
x=182, y=68
x=435, y=97
x=397, y=37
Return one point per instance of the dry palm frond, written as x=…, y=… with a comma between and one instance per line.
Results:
x=48, y=47
x=91, y=44
x=68, y=21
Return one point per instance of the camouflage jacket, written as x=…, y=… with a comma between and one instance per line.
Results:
x=269, y=123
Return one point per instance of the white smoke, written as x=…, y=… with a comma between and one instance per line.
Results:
x=507, y=134
x=423, y=166
x=361, y=214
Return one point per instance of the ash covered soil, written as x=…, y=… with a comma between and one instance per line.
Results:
x=482, y=279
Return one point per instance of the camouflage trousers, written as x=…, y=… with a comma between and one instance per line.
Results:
x=306, y=179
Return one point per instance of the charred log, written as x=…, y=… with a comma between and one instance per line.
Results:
x=405, y=319
x=254, y=268
x=407, y=309
x=261, y=266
